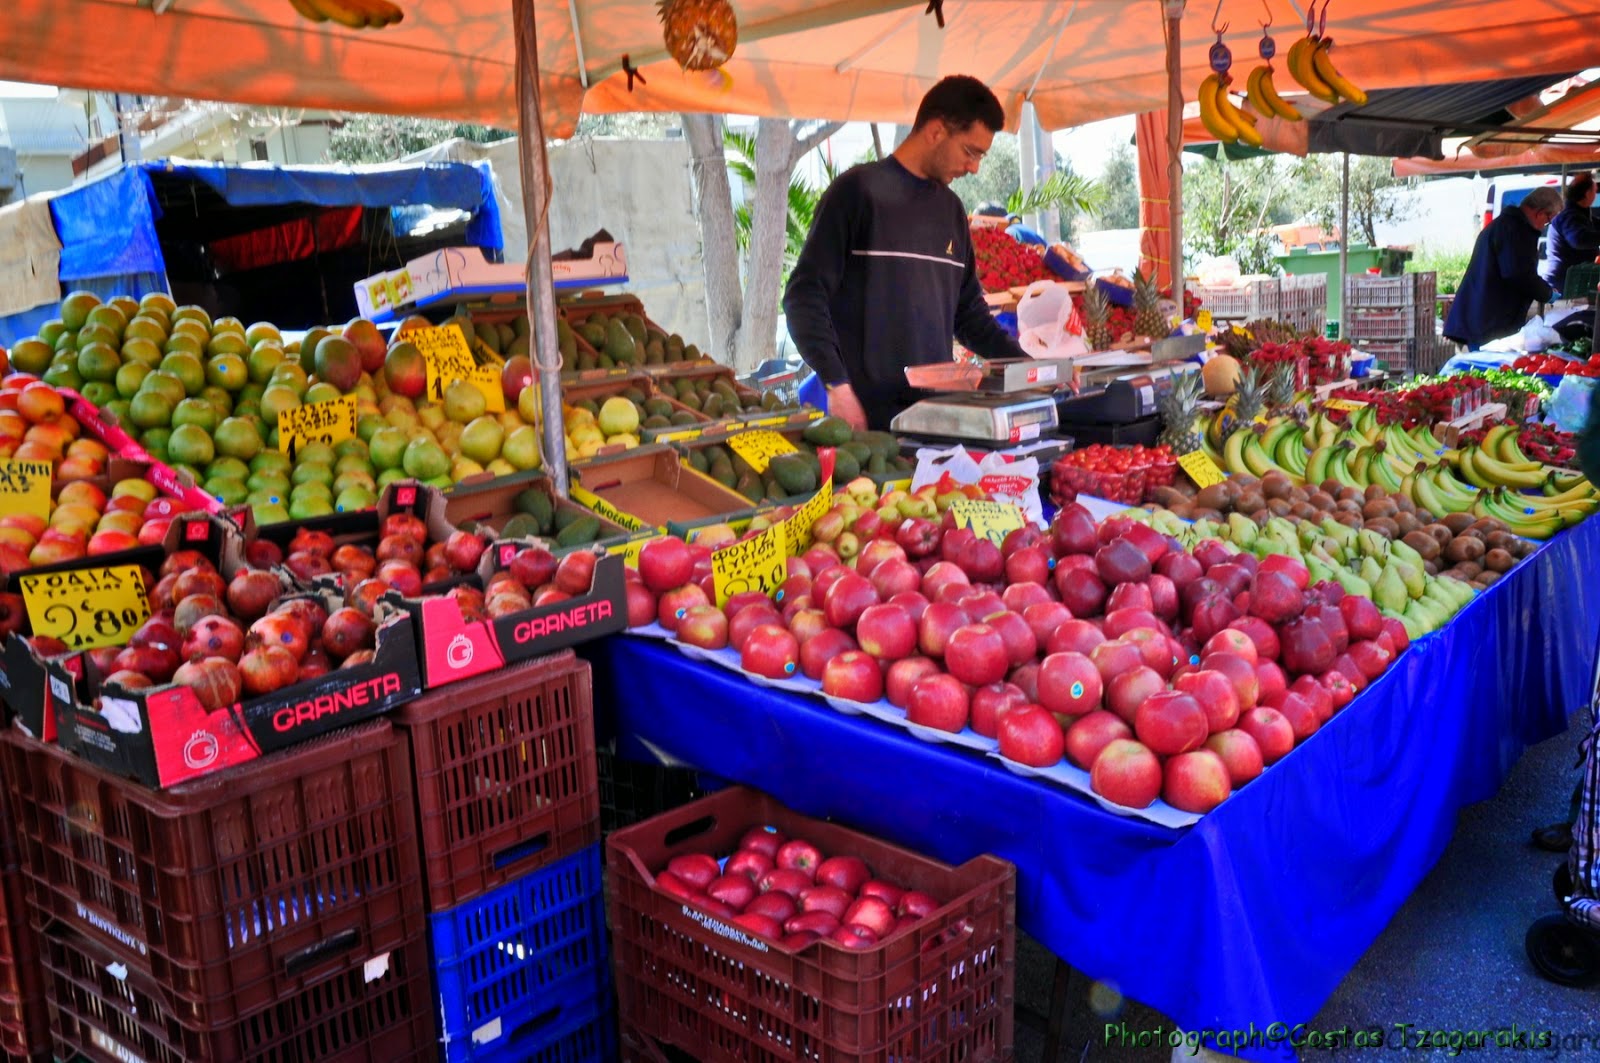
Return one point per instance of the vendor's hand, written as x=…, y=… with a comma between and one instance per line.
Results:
x=843, y=404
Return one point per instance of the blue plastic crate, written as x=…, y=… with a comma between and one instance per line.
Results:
x=518, y=967
x=574, y=1033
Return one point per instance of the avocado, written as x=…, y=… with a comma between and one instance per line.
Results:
x=691, y=353
x=881, y=443
x=828, y=432
x=536, y=504
x=635, y=326
x=620, y=344
x=657, y=406
x=877, y=466
x=722, y=472
x=588, y=360
x=655, y=352
x=635, y=396
x=519, y=325
x=858, y=450
x=606, y=361
x=690, y=400
x=726, y=390
x=655, y=420
x=749, y=485
x=565, y=338
x=697, y=460
x=588, y=404
x=683, y=417
x=846, y=467
x=581, y=531
x=770, y=400
x=795, y=475
x=770, y=485
x=521, y=526
x=568, y=514
x=593, y=332
x=711, y=406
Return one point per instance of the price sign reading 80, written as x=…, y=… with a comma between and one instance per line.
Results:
x=88, y=608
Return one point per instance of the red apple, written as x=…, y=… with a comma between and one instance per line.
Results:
x=799, y=855
x=1301, y=714
x=760, y=925
x=746, y=620
x=872, y=913
x=1171, y=722
x=854, y=938
x=1216, y=695
x=775, y=905
x=1130, y=689
x=886, y=632
x=902, y=675
x=749, y=863
x=786, y=880
x=817, y=651
x=1273, y=734
x=817, y=922
x=1089, y=734
x=1126, y=773
x=1240, y=755
x=697, y=869
x=848, y=873
x=887, y=892
x=1340, y=689
x=764, y=840
x=1069, y=685
x=991, y=702
x=1046, y=619
x=976, y=655
x=940, y=702
x=1311, y=688
x=1030, y=735
x=678, y=601
x=734, y=890
x=1197, y=781
x=1234, y=641
x=828, y=898
x=853, y=676
x=1113, y=658
x=1272, y=682
x=703, y=625
x=1019, y=596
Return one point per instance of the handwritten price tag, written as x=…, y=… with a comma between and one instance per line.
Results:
x=589, y=500
x=319, y=422
x=25, y=487
x=631, y=549
x=797, y=529
x=1201, y=469
x=486, y=378
x=759, y=448
x=988, y=520
x=1345, y=404
x=89, y=608
x=448, y=356
x=1202, y=321
x=759, y=563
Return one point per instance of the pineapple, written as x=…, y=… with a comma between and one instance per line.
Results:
x=1280, y=389
x=699, y=34
x=1178, y=412
x=1247, y=397
x=1147, y=319
x=1097, y=315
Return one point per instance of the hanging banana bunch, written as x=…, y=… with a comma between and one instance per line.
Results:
x=1311, y=65
x=356, y=14
x=1260, y=91
x=1217, y=113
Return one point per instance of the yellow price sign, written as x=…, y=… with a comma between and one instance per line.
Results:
x=1344, y=404
x=759, y=448
x=1203, y=321
x=486, y=378
x=591, y=501
x=759, y=563
x=631, y=549
x=1201, y=469
x=88, y=608
x=25, y=487
x=447, y=354
x=988, y=520
x=797, y=528
x=328, y=422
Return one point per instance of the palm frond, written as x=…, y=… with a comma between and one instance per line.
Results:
x=1060, y=191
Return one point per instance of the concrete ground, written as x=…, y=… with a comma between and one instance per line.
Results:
x=1452, y=960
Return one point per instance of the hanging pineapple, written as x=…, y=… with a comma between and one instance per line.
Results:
x=1097, y=317
x=1147, y=319
x=1247, y=397
x=1178, y=411
x=699, y=34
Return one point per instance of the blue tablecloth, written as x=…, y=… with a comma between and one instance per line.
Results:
x=1255, y=913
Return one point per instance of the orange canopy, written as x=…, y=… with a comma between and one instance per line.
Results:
x=845, y=59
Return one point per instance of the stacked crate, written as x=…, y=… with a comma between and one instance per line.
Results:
x=1250, y=299
x=24, y=1033
x=270, y=913
x=1393, y=319
x=1304, y=302
x=508, y=810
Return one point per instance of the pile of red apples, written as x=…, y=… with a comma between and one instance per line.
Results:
x=1162, y=673
x=787, y=891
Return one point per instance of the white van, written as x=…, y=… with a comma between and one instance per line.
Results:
x=1509, y=191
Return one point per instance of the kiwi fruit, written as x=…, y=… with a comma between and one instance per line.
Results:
x=1426, y=546
x=1216, y=497
x=1384, y=527
x=1457, y=522
x=1440, y=534
x=1378, y=507
x=1498, y=560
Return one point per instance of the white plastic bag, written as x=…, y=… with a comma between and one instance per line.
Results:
x=1537, y=335
x=1003, y=479
x=1045, y=326
x=1569, y=406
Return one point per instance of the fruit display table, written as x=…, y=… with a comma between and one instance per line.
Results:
x=1260, y=909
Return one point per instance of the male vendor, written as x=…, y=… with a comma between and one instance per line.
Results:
x=887, y=276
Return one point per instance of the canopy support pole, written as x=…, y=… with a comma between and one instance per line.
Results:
x=541, y=295
x=1027, y=160
x=1173, y=10
x=1344, y=239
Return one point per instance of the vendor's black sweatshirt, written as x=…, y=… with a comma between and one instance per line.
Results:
x=886, y=278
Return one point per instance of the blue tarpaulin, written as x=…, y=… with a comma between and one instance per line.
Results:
x=1254, y=914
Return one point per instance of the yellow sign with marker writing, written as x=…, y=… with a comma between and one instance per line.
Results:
x=1202, y=321
x=25, y=487
x=1344, y=404
x=988, y=520
x=759, y=448
x=797, y=528
x=88, y=608
x=589, y=500
x=328, y=422
x=448, y=357
x=759, y=563
x=1201, y=469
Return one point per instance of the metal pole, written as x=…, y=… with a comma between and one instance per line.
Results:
x=1344, y=239
x=541, y=295
x=1028, y=161
x=1173, y=10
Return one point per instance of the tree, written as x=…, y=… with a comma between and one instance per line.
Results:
x=385, y=137
x=1120, y=208
x=1229, y=206
x=744, y=318
x=1376, y=195
x=1000, y=181
x=804, y=197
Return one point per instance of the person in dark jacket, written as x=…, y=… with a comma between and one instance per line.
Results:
x=1502, y=277
x=1574, y=238
x=887, y=276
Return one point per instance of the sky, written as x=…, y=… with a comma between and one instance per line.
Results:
x=1088, y=147
x=23, y=90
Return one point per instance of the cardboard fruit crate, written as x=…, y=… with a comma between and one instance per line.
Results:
x=523, y=968
x=597, y=391
x=938, y=990
x=648, y=488
x=236, y=892
x=505, y=775
x=490, y=505
x=373, y=1006
x=23, y=1030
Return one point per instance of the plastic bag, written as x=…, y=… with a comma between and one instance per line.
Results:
x=1569, y=406
x=1003, y=479
x=1537, y=335
x=1047, y=324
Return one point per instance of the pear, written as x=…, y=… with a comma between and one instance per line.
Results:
x=1390, y=591
x=1415, y=578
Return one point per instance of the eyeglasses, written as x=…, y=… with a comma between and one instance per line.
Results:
x=973, y=154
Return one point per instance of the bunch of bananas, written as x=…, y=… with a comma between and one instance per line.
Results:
x=1311, y=66
x=1221, y=118
x=1263, y=95
x=1494, y=479
x=356, y=14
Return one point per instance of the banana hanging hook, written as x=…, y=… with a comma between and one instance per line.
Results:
x=1311, y=18
x=1267, y=25
x=1216, y=15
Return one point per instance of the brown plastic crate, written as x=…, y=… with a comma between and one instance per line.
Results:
x=505, y=774
x=938, y=991
x=23, y=1031
x=224, y=891
x=377, y=1007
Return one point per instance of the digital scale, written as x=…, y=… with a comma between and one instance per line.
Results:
x=1121, y=396
x=1002, y=401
